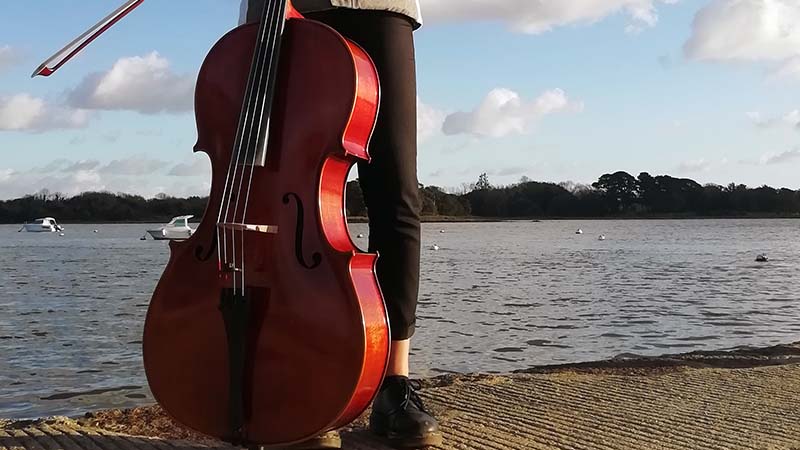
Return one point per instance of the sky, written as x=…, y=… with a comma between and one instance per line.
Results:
x=551, y=90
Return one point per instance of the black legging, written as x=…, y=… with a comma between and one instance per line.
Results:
x=389, y=181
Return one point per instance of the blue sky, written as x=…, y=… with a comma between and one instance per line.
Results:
x=556, y=90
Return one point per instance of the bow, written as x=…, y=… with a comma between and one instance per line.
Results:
x=65, y=54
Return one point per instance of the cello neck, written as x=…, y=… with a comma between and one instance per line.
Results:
x=253, y=132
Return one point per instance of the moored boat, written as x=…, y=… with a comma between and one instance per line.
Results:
x=178, y=228
x=43, y=225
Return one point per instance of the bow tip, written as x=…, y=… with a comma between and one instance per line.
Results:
x=42, y=70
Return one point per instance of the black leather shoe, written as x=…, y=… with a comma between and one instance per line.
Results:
x=399, y=416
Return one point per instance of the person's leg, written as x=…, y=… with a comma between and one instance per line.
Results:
x=391, y=194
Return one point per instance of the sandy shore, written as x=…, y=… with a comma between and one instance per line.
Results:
x=744, y=398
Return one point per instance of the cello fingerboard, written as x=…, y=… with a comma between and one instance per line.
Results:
x=253, y=132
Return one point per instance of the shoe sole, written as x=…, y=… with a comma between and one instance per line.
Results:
x=431, y=440
x=325, y=442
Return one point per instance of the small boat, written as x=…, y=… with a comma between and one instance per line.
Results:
x=762, y=258
x=435, y=247
x=43, y=225
x=177, y=229
x=579, y=231
x=602, y=237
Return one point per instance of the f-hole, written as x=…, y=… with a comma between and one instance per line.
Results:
x=299, y=231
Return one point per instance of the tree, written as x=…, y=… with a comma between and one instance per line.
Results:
x=620, y=190
x=354, y=199
x=483, y=182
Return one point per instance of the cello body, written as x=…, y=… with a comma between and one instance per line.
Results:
x=316, y=332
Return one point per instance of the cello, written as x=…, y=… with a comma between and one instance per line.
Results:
x=268, y=325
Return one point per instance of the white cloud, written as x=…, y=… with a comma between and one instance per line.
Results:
x=23, y=112
x=759, y=120
x=133, y=175
x=781, y=158
x=8, y=57
x=697, y=165
x=80, y=166
x=14, y=184
x=504, y=112
x=139, y=83
x=54, y=166
x=134, y=165
x=790, y=70
x=792, y=119
x=195, y=168
x=750, y=31
x=429, y=120
x=539, y=16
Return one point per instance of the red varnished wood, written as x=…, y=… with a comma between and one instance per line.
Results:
x=319, y=337
x=292, y=12
x=359, y=131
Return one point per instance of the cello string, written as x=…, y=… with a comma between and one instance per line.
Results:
x=242, y=132
x=252, y=141
x=274, y=52
x=237, y=146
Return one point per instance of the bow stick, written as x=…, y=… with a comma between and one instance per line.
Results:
x=65, y=54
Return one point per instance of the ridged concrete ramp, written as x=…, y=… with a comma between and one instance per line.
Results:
x=673, y=409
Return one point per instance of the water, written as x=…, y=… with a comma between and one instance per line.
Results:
x=495, y=297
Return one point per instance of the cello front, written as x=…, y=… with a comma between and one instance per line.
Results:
x=291, y=338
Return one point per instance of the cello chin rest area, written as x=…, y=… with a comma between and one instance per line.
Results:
x=268, y=229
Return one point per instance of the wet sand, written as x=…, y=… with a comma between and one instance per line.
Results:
x=742, y=399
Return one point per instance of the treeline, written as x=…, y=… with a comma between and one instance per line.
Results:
x=99, y=207
x=612, y=195
x=617, y=194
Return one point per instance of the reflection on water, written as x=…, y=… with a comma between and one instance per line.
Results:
x=494, y=297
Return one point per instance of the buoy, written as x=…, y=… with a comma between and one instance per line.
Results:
x=441, y=231
x=602, y=237
x=360, y=236
x=96, y=231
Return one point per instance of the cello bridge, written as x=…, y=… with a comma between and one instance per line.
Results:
x=266, y=229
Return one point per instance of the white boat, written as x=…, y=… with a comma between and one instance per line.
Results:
x=177, y=228
x=43, y=225
x=579, y=231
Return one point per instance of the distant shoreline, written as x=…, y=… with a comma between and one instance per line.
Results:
x=472, y=219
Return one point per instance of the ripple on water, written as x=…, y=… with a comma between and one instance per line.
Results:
x=508, y=350
x=68, y=395
x=699, y=338
x=614, y=335
x=545, y=343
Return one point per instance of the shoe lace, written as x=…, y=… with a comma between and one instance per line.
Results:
x=411, y=396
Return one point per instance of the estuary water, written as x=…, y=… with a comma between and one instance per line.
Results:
x=494, y=297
